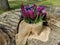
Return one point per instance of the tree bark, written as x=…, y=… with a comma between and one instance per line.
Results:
x=9, y=23
x=4, y=5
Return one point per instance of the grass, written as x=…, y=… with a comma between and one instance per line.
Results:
x=16, y=4
x=1, y=11
x=51, y=2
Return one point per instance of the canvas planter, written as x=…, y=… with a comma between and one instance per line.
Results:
x=34, y=28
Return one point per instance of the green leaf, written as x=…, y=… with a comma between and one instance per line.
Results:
x=35, y=11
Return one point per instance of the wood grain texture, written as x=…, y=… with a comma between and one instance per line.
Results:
x=9, y=24
x=8, y=28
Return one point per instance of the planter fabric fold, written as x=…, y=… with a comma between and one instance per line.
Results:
x=32, y=31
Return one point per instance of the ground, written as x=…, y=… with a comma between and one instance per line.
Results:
x=16, y=4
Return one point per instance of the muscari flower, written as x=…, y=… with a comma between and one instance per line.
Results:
x=24, y=13
x=40, y=8
x=28, y=7
x=31, y=14
x=22, y=7
x=37, y=13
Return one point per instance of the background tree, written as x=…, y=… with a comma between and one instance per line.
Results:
x=4, y=5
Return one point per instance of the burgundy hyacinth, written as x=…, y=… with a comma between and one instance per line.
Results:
x=40, y=8
x=22, y=7
x=24, y=14
x=31, y=14
x=23, y=11
x=37, y=13
x=27, y=7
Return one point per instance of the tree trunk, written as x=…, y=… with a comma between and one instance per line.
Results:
x=8, y=27
x=9, y=23
x=4, y=5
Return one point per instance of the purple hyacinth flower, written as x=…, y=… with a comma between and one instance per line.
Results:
x=27, y=13
x=31, y=14
x=27, y=7
x=23, y=11
x=40, y=8
x=38, y=13
x=24, y=14
x=22, y=7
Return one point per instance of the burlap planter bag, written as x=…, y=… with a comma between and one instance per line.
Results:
x=34, y=28
x=31, y=31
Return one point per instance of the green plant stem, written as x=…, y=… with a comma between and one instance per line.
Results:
x=36, y=19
